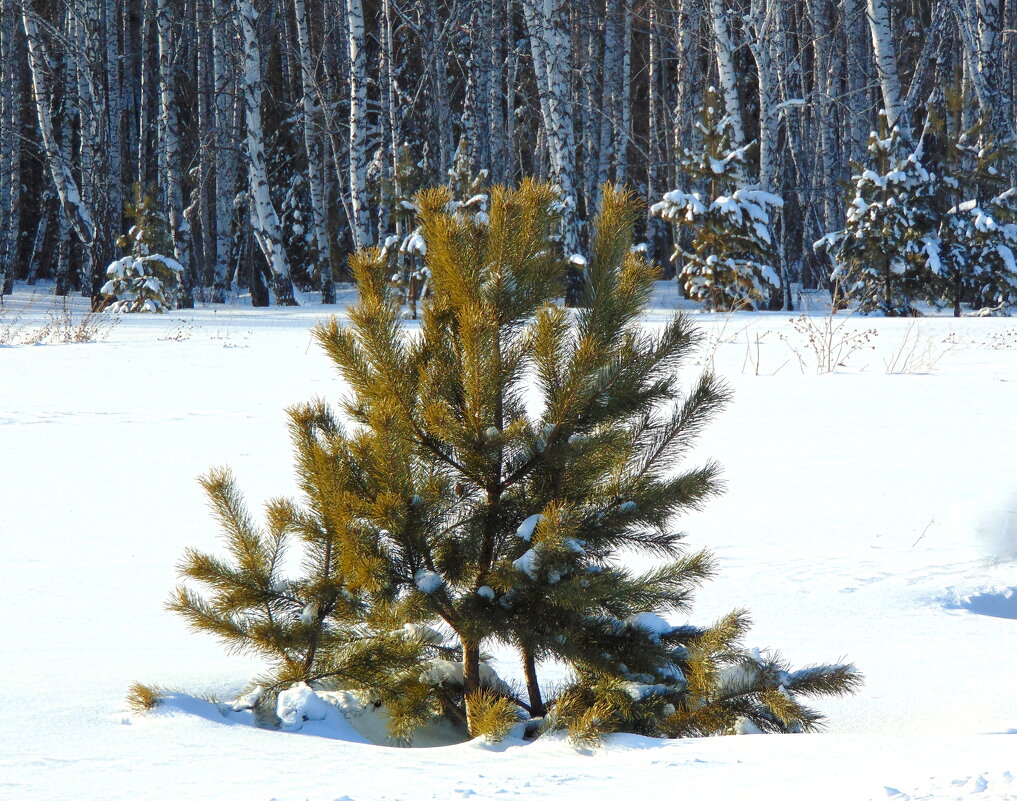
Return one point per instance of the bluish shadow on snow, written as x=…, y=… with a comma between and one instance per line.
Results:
x=994, y=603
x=331, y=725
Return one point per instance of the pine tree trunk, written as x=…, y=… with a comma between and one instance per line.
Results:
x=471, y=682
x=536, y=699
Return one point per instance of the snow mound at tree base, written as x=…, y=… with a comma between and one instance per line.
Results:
x=333, y=714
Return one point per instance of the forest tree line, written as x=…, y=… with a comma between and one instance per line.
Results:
x=272, y=138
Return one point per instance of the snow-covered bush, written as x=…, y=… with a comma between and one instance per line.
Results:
x=887, y=256
x=730, y=261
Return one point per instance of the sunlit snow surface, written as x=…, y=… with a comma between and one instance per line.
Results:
x=868, y=516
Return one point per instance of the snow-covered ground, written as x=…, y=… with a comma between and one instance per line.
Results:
x=869, y=516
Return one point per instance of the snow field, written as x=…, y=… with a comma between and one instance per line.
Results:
x=868, y=516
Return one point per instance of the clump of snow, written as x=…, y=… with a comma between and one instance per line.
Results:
x=640, y=692
x=627, y=507
x=654, y=625
x=309, y=613
x=528, y=563
x=298, y=704
x=745, y=726
x=444, y=671
x=418, y=631
x=527, y=527
x=427, y=581
x=248, y=700
x=486, y=592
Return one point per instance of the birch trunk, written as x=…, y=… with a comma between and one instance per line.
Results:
x=226, y=168
x=170, y=178
x=57, y=160
x=724, y=47
x=312, y=126
x=886, y=60
x=359, y=209
x=264, y=219
x=550, y=44
x=10, y=146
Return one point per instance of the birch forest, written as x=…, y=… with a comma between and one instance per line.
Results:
x=272, y=138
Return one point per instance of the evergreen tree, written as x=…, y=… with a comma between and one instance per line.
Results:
x=888, y=254
x=978, y=231
x=337, y=623
x=406, y=250
x=499, y=460
x=145, y=280
x=729, y=264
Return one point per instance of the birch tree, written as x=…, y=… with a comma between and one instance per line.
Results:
x=312, y=125
x=263, y=215
x=360, y=216
x=10, y=145
x=171, y=177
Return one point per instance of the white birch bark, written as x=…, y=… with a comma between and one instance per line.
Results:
x=57, y=159
x=761, y=21
x=724, y=47
x=264, y=218
x=886, y=59
x=113, y=117
x=624, y=108
x=312, y=127
x=170, y=178
x=856, y=44
x=978, y=22
x=547, y=23
x=359, y=209
x=10, y=146
x=610, y=89
x=224, y=83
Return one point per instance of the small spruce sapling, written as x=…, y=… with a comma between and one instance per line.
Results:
x=887, y=256
x=145, y=280
x=729, y=263
x=979, y=230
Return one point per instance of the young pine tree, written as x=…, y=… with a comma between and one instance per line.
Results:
x=533, y=445
x=729, y=264
x=500, y=458
x=334, y=623
x=888, y=254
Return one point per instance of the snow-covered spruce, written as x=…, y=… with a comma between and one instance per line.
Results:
x=730, y=261
x=978, y=232
x=887, y=256
x=142, y=283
